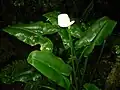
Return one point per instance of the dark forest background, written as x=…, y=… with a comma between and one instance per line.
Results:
x=26, y=11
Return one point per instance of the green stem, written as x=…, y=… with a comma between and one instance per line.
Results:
x=77, y=69
x=85, y=66
x=87, y=10
x=48, y=87
x=79, y=60
x=101, y=52
x=72, y=56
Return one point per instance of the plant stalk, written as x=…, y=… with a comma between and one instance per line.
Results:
x=72, y=56
x=85, y=66
x=101, y=52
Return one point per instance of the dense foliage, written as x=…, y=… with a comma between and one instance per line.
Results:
x=66, y=73
x=84, y=56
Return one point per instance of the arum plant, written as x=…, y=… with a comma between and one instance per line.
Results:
x=56, y=69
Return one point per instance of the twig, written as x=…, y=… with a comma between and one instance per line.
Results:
x=98, y=59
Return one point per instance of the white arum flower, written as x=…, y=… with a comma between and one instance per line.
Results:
x=64, y=20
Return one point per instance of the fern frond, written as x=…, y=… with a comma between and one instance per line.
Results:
x=19, y=70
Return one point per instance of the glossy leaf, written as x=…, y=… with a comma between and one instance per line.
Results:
x=52, y=17
x=102, y=35
x=96, y=34
x=51, y=66
x=89, y=49
x=76, y=31
x=48, y=45
x=65, y=38
x=88, y=86
x=91, y=33
x=30, y=37
x=39, y=27
x=105, y=31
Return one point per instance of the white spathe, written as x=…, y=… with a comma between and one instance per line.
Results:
x=64, y=20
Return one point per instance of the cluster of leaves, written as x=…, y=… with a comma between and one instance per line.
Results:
x=19, y=71
x=45, y=61
x=113, y=79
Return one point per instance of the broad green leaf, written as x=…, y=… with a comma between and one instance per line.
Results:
x=96, y=34
x=48, y=45
x=51, y=66
x=76, y=31
x=29, y=36
x=52, y=17
x=65, y=38
x=89, y=86
x=50, y=59
x=91, y=33
x=102, y=35
x=39, y=28
x=89, y=49
x=105, y=31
